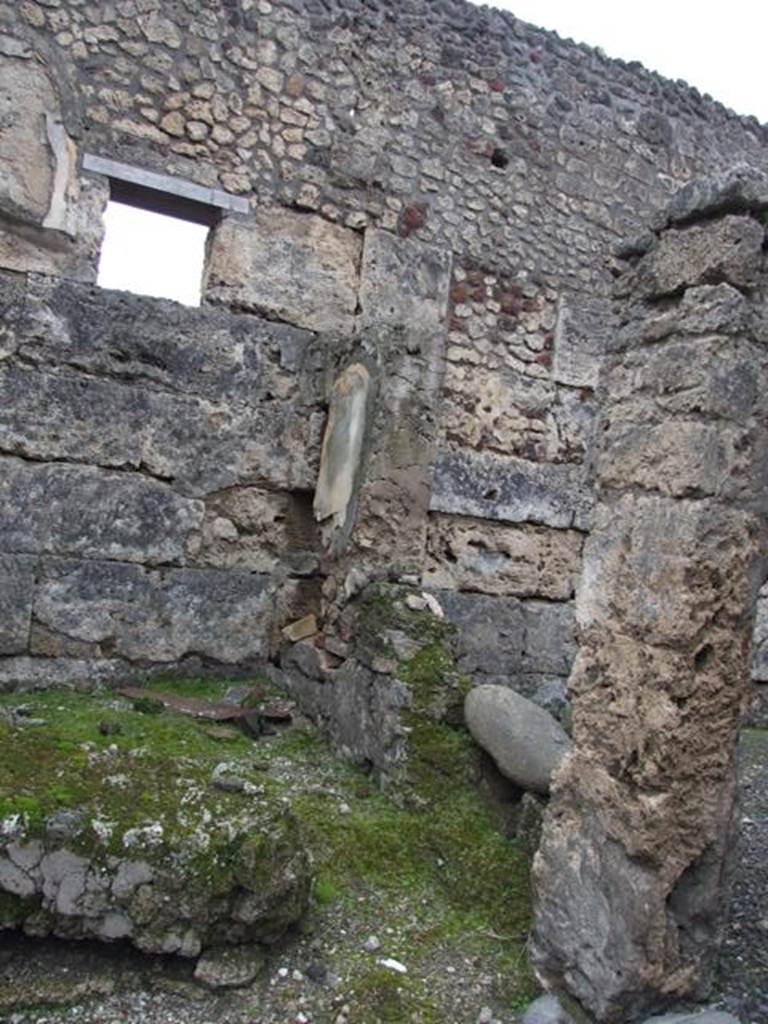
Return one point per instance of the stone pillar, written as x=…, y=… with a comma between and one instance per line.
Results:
x=631, y=878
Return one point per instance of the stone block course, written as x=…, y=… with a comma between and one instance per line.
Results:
x=157, y=616
x=288, y=266
x=17, y=576
x=92, y=513
x=510, y=560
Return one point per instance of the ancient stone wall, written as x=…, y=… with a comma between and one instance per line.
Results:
x=633, y=869
x=433, y=190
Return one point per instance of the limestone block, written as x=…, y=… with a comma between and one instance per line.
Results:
x=524, y=561
x=202, y=446
x=30, y=673
x=491, y=637
x=508, y=640
x=525, y=741
x=252, y=528
x=27, y=110
x=741, y=186
x=714, y=376
x=579, y=339
x=12, y=298
x=158, y=616
x=651, y=563
x=50, y=219
x=403, y=282
x=342, y=446
x=760, y=641
x=727, y=250
x=203, y=351
x=681, y=458
x=550, y=637
x=17, y=574
x=289, y=266
x=509, y=489
x=78, y=510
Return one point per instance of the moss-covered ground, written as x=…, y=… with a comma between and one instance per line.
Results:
x=424, y=866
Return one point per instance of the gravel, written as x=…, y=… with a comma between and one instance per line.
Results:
x=304, y=979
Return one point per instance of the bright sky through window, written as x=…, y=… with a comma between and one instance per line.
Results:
x=152, y=254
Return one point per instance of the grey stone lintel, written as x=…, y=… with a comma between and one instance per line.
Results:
x=164, y=183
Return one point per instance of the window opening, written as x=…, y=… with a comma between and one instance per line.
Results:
x=154, y=244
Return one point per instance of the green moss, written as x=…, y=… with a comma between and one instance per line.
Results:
x=381, y=996
x=426, y=851
x=382, y=609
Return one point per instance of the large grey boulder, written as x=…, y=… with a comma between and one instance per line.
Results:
x=524, y=740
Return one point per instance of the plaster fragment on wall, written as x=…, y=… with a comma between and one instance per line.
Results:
x=342, y=446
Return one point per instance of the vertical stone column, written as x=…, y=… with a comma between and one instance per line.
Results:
x=631, y=878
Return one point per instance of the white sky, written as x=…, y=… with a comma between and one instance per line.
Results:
x=151, y=254
x=721, y=48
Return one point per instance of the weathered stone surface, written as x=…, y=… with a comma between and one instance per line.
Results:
x=578, y=342
x=524, y=561
x=727, y=250
x=391, y=519
x=12, y=297
x=525, y=741
x=738, y=188
x=403, y=282
x=252, y=528
x=290, y=266
x=510, y=490
x=155, y=616
x=546, y=1010
x=230, y=967
x=527, y=645
x=148, y=852
x=79, y=510
x=342, y=448
x=161, y=345
x=697, y=1017
x=17, y=575
x=49, y=220
x=27, y=102
x=632, y=873
x=45, y=673
x=760, y=640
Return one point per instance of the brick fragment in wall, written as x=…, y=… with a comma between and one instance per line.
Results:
x=92, y=513
x=295, y=267
x=17, y=575
x=207, y=352
x=155, y=615
x=504, y=559
x=403, y=282
x=511, y=489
